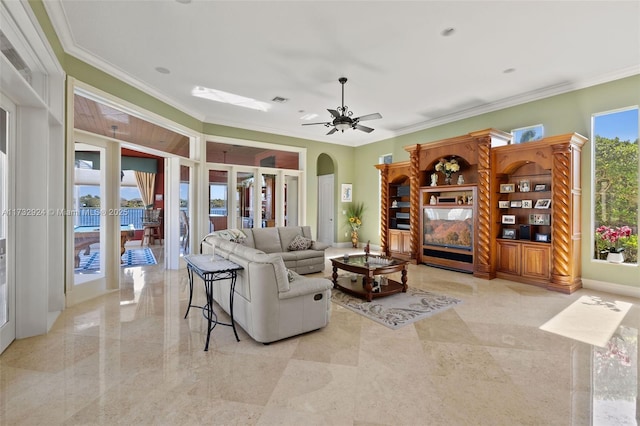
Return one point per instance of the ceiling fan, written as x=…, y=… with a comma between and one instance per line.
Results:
x=342, y=117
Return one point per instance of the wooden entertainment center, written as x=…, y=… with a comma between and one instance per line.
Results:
x=511, y=211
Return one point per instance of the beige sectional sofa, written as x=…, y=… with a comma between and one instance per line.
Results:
x=271, y=302
x=280, y=240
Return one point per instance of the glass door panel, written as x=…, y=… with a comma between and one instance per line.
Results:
x=218, y=200
x=88, y=226
x=7, y=286
x=268, y=200
x=291, y=201
x=244, y=200
x=185, y=221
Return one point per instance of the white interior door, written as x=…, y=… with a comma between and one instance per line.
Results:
x=326, y=225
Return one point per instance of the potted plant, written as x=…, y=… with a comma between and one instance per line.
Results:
x=612, y=240
x=354, y=220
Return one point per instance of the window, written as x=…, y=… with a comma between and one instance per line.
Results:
x=615, y=185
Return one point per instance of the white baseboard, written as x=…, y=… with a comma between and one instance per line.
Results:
x=623, y=290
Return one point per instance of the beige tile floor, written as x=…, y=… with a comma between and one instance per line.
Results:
x=130, y=358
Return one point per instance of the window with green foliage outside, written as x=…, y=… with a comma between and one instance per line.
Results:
x=615, y=186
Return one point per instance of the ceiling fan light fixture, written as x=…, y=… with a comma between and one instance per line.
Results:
x=343, y=126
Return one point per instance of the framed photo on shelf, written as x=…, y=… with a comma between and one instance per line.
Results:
x=509, y=233
x=543, y=203
x=541, y=187
x=507, y=187
x=527, y=204
x=516, y=203
x=543, y=238
x=524, y=185
x=539, y=219
x=503, y=204
x=509, y=219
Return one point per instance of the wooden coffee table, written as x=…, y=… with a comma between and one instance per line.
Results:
x=368, y=267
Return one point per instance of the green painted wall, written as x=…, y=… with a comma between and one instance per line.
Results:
x=566, y=113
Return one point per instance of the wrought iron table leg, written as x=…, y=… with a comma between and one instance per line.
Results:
x=190, y=274
x=231, y=297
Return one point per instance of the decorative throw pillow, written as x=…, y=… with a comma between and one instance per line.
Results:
x=237, y=236
x=300, y=243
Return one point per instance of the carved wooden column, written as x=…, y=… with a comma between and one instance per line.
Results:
x=484, y=243
x=384, y=209
x=565, y=202
x=414, y=197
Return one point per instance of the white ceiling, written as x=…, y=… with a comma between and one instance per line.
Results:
x=394, y=54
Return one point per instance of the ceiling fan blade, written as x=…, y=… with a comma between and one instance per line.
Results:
x=311, y=124
x=334, y=113
x=374, y=116
x=332, y=131
x=363, y=128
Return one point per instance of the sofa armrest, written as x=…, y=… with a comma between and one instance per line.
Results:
x=317, y=245
x=301, y=286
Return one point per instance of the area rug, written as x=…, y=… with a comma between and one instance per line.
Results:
x=134, y=257
x=399, y=309
x=590, y=319
x=138, y=257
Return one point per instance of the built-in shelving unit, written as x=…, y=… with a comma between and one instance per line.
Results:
x=522, y=203
x=396, y=211
x=536, y=212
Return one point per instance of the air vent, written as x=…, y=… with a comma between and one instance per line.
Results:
x=14, y=58
x=279, y=100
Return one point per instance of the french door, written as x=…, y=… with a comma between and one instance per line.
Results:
x=7, y=281
x=95, y=223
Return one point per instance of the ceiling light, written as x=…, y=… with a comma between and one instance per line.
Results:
x=343, y=126
x=229, y=98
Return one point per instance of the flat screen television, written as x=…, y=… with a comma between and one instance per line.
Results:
x=448, y=227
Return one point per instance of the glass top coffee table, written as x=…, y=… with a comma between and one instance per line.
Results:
x=371, y=280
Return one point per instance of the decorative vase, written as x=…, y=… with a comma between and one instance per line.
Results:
x=354, y=239
x=447, y=179
x=614, y=257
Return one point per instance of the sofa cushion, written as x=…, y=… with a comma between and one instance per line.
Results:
x=299, y=243
x=234, y=235
x=267, y=240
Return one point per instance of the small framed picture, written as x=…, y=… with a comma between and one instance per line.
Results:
x=524, y=185
x=503, y=204
x=543, y=203
x=539, y=219
x=528, y=134
x=509, y=219
x=527, y=204
x=516, y=203
x=346, y=192
x=543, y=238
x=541, y=187
x=509, y=233
x=507, y=187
